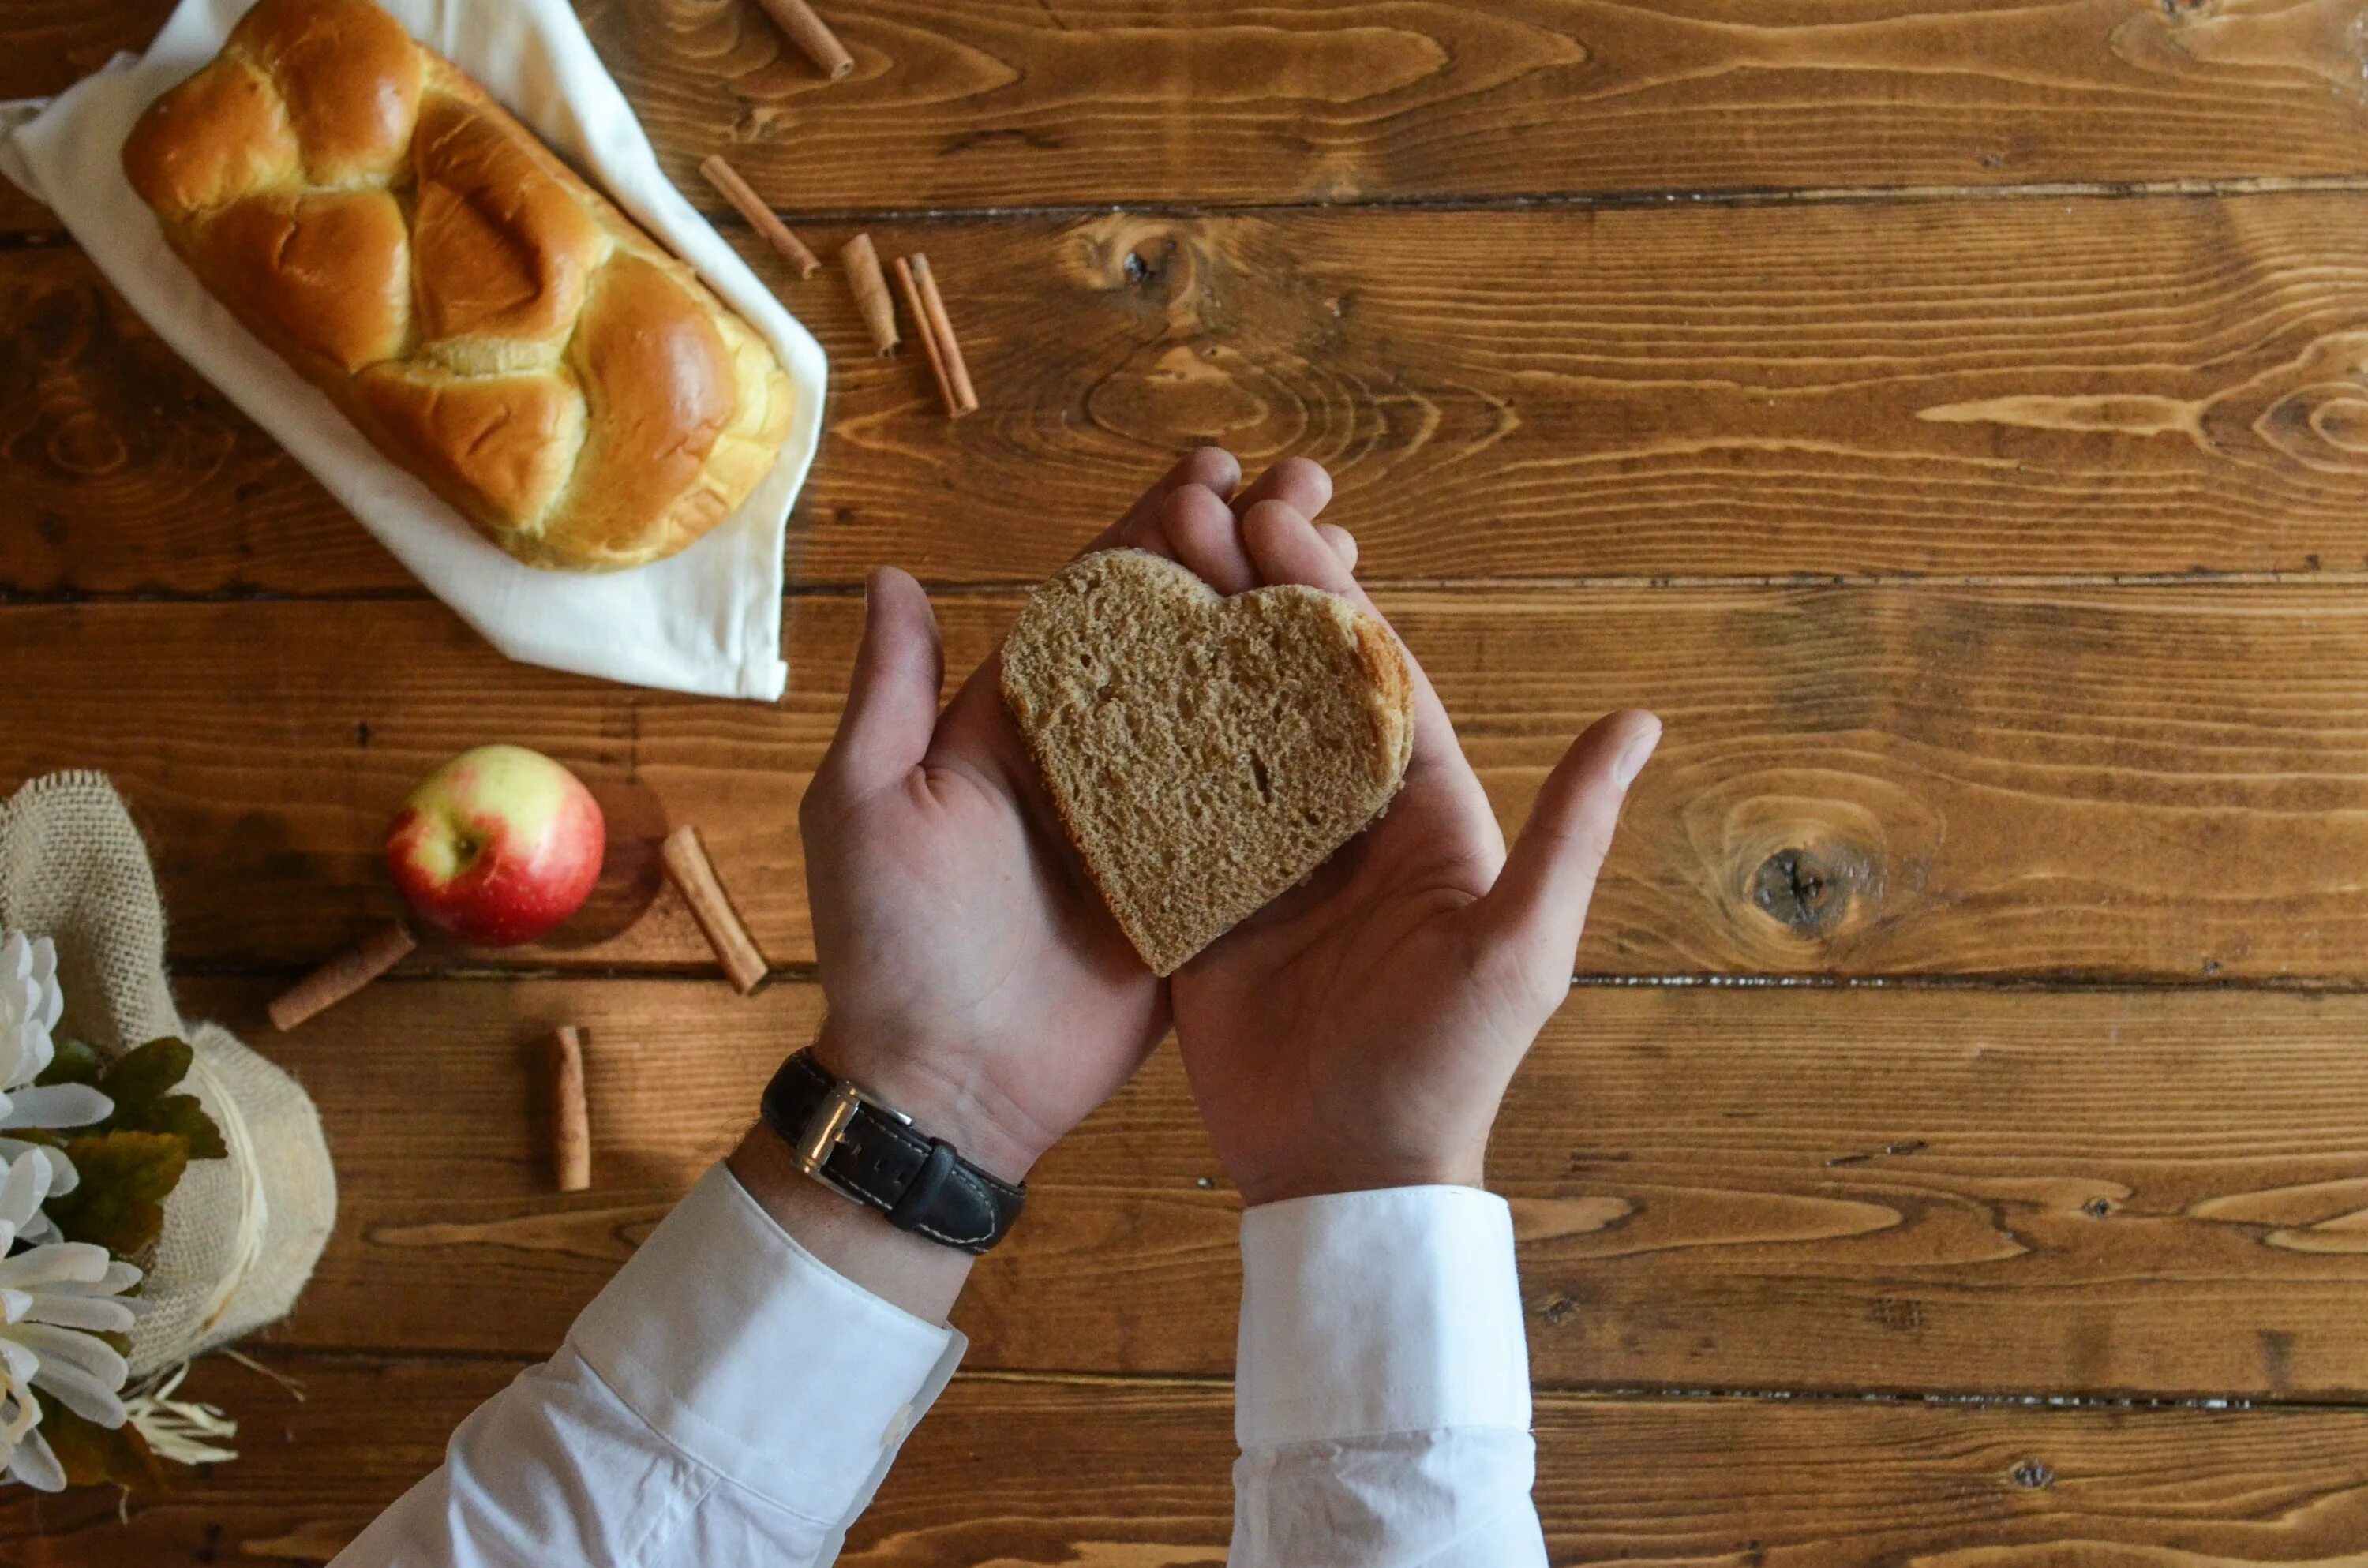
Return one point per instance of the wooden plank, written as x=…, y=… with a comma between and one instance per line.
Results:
x=1102, y=1474
x=2139, y=1193
x=1783, y=1485
x=45, y=46
x=1958, y=389
x=310, y=1474
x=2158, y=783
x=957, y=104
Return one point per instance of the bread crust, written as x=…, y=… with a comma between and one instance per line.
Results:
x=488, y=320
x=1392, y=692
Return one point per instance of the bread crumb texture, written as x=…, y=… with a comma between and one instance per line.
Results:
x=1205, y=753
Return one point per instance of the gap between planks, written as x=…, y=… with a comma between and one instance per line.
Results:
x=1532, y=201
x=1732, y=196
x=1577, y=1393
x=1562, y=1390
x=11, y=599
x=662, y=973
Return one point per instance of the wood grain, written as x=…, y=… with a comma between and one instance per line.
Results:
x=52, y=44
x=2138, y=1193
x=959, y=104
x=2158, y=783
x=1967, y=388
x=1606, y=439
x=1089, y=1474
x=955, y=105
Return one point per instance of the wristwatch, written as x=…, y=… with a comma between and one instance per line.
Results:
x=872, y=1153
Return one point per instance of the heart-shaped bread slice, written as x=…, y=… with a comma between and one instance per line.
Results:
x=1205, y=753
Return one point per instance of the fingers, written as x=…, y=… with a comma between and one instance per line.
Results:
x=1205, y=537
x=1539, y=904
x=1343, y=543
x=1186, y=515
x=892, y=703
x=1286, y=548
x=1211, y=468
x=1301, y=483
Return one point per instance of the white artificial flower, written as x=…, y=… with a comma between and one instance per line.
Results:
x=30, y=1006
x=26, y=1453
x=55, y=1299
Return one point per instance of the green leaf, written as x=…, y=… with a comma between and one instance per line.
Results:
x=180, y=1116
x=90, y=1453
x=141, y=1082
x=146, y=1073
x=131, y=1161
x=74, y=1063
x=125, y=1175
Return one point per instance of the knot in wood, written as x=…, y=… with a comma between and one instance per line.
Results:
x=63, y=322
x=1807, y=889
x=2034, y=1475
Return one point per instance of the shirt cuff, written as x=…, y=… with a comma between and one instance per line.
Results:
x=1372, y=1312
x=759, y=1360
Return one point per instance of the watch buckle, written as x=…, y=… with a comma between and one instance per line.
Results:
x=819, y=1138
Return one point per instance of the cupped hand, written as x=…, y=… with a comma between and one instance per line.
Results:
x=974, y=980
x=1360, y=1031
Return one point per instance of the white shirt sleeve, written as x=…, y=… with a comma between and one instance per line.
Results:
x=1382, y=1386
x=728, y=1398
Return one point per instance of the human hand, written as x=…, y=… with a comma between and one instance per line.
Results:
x=972, y=978
x=975, y=979
x=1359, y=1032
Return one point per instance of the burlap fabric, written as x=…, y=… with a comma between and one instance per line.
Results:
x=242, y=1234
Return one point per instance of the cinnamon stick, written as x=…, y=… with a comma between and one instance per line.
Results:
x=571, y=1119
x=791, y=249
x=343, y=975
x=941, y=328
x=912, y=293
x=806, y=30
x=687, y=866
x=863, y=263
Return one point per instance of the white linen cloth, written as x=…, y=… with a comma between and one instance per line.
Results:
x=729, y=1400
x=707, y=621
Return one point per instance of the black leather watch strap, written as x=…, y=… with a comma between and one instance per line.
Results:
x=867, y=1152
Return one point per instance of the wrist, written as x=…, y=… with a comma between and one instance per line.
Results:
x=857, y=1242
x=1284, y=1183
x=942, y=1101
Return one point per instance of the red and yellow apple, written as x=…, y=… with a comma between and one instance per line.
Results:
x=497, y=846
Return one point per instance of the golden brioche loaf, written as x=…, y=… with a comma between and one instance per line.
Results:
x=488, y=320
x=1205, y=753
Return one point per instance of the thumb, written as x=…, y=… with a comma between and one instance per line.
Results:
x=892, y=703
x=1539, y=904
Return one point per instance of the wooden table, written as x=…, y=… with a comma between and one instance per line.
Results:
x=1953, y=417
